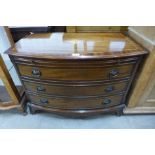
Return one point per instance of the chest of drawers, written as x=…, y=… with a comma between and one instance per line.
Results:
x=77, y=73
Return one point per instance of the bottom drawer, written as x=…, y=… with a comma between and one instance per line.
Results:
x=76, y=103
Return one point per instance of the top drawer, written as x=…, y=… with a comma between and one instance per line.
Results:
x=59, y=73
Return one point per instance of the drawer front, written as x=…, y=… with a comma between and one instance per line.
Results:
x=107, y=73
x=76, y=103
x=75, y=90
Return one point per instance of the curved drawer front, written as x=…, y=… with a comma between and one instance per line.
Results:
x=76, y=103
x=78, y=74
x=76, y=90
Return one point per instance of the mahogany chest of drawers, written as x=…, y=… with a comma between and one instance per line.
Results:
x=77, y=74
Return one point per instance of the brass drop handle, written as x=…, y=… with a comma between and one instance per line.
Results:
x=114, y=73
x=109, y=88
x=36, y=72
x=106, y=101
x=41, y=89
x=44, y=101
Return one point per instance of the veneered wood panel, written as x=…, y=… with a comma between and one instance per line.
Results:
x=76, y=73
x=96, y=28
x=76, y=89
x=74, y=103
x=7, y=80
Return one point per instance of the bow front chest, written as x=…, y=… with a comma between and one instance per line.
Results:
x=77, y=73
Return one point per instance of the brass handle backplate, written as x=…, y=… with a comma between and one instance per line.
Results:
x=114, y=73
x=41, y=88
x=36, y=72
x=106, y=101
x=109, y=88
x=43, y=101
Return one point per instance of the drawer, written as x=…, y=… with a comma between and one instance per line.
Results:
x=47, y=73
x=75, y=63
x=76, y=103
x=75, y=89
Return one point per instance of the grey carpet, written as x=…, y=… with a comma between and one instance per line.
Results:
x=14, y=119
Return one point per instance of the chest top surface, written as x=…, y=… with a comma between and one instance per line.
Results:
x=76, y=46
